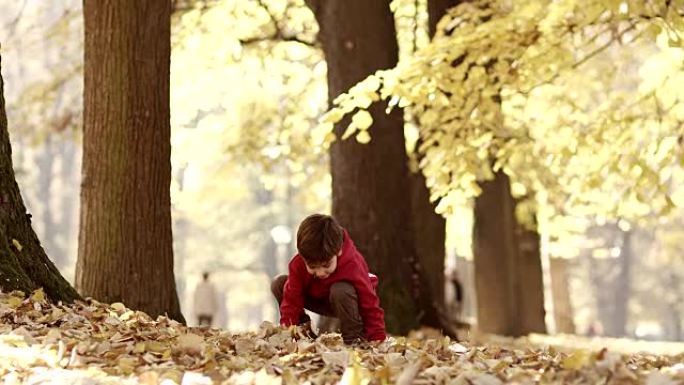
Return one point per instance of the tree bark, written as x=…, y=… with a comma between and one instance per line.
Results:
x=508, y=275
x=494, y=255
x=370, y=187
x=528, y=271
x=125, y=248
x=23, y=262
x=430, y=227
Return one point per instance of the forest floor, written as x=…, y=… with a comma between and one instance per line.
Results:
x=92, y=343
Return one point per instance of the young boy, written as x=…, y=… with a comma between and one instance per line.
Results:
x=330, y=277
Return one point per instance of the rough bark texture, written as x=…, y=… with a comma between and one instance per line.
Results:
x=494, y=255
x=371, y=191
x=429, y=227
x=562, y=306
x=508, y=274
x=430, y=238
x=23, y=263
x=125, y=248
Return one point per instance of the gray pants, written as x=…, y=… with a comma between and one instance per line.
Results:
x=342, y=303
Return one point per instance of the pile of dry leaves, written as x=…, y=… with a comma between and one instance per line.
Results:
x=93, y=343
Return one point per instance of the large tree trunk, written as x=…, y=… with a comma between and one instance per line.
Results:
x=125, y=248
x=370, y=186
x=508, y=275
x=23, y=263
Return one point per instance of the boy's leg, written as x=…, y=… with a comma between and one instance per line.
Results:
x=345, y=304
x=329, y=324
x=278, y=286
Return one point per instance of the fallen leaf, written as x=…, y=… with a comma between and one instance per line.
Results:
x=190, y=343
x=486, y=379
x=17, y=245
x=339, y=358
x=38, y=295
x=409, y=373
x=658, y=378
x=118, y=306
x=577, y=360
x=355, y=374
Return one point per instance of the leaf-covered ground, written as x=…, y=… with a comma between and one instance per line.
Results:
x=92, y=343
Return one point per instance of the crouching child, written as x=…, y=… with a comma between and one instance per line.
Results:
x=329, y=276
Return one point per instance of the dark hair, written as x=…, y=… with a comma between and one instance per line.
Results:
x=205, y=275
x=319, y=238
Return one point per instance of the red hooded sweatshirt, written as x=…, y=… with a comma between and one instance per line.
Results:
x=352, y=268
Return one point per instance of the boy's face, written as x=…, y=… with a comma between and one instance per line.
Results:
x=323, y=271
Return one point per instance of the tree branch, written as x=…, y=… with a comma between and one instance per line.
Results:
x=277, y=37
x=278, y=34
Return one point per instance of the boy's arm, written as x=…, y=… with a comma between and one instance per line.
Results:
x=292, y=305
x=369, y=305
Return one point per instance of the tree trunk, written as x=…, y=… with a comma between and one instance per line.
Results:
x=430, y=227
x=508, y=274
x=370, y=187
x=562, y=305
x=495, y=252
x=528, y=272
x=23, y=262
x=430, y=239
x=125, y=248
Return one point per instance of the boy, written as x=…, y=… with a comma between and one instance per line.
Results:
x=330, y=277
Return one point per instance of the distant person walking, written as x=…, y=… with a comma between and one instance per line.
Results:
x=205, y=301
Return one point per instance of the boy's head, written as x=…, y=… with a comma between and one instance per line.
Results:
x=319, y=242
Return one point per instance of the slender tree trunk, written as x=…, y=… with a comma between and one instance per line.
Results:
x=23, y=263
x=125, y=240
x=430, y=227
x=371, y=191
x=528, y=272
x=508, y=274
x=495, y=251
x=562, y=305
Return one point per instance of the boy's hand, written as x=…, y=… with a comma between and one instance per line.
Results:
x=304, y=331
